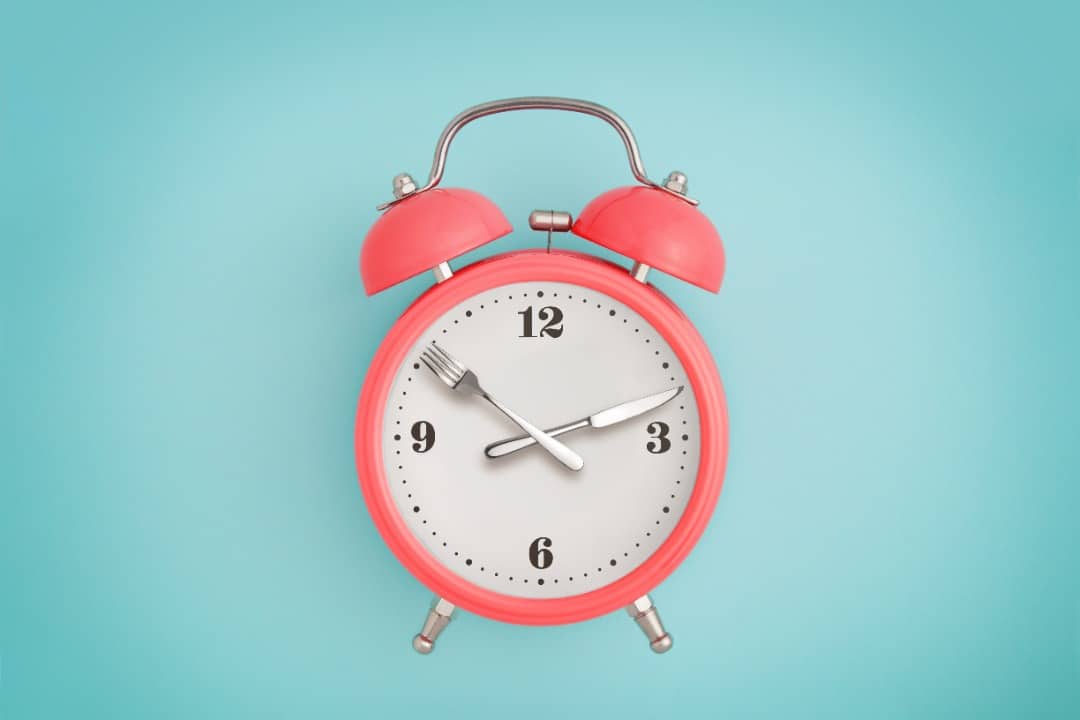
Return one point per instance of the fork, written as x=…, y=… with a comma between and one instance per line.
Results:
x=458, y=377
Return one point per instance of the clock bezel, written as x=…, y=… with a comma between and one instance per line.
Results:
x=539, y=266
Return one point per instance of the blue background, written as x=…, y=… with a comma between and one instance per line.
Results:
x=183, y=194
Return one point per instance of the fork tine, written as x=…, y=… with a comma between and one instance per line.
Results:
x=432, y=359
x=449, y=358
x=443, y=359
x=439, y=373
x=447, y=370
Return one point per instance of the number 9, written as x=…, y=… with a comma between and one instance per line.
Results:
x=424, y=434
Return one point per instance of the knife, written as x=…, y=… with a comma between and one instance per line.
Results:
x=604, y=418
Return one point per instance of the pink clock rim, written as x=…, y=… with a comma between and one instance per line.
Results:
x=599, y=275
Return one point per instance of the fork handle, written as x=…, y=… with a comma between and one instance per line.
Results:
x=505, y=447
x=563, y=454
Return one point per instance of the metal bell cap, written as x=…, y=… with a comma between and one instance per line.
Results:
x=419, y=232
x=656, y=228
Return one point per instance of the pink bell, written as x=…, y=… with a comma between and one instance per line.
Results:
x=655, y=228
x=420, y=231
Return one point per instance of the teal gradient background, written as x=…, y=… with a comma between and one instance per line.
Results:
x=183, y=194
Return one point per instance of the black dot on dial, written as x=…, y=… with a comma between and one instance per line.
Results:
x=468, y=561
x=611, y=313
x=540, y=293
x=685, y=436
x=416, y=366
x=541, y=580
x=468, y=313
x=416, y=508
x=666, y=365
x=667, y=509
x=613, y=562
x=397, y=437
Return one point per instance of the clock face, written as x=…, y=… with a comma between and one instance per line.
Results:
x=523, y=524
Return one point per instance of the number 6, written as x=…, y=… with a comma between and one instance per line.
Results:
x=540, y=557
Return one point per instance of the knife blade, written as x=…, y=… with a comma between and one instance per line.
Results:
x=603, y=418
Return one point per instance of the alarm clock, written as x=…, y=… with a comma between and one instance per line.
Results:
x=541, y=438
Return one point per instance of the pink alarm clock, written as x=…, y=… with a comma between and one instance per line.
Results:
x=541, y=437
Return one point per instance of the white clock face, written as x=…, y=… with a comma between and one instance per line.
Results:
x=523, y=524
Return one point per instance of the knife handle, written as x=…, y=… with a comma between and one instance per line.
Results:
x=505, y=447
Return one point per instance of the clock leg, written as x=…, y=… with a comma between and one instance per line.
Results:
x=437, y=619
x=648, y=619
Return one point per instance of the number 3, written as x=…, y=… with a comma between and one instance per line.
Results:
x=658, y=431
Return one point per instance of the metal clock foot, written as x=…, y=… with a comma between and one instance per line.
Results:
x=437, y=619
x=648, y=619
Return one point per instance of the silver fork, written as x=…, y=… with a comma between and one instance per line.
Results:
x=460, y=378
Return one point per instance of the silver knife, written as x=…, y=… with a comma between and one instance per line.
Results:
x=610, y=416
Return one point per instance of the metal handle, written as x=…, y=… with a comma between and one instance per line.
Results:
x=505, y=447
x=563, y=454
x=442, y=148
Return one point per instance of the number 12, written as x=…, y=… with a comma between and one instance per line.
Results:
x=550, y=315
